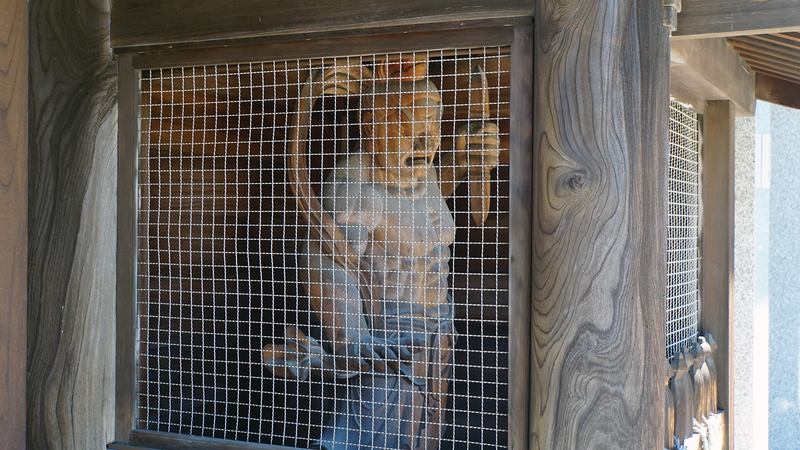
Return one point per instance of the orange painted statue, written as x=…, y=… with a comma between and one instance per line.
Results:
x=376, y=264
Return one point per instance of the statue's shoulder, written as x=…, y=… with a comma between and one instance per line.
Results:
x=353, y=168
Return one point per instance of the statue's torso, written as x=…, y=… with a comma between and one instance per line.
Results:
x=403, y=234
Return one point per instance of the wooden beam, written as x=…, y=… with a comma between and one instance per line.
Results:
x=774, y=90
x=705, y=19
x=324, y=47
x=156, y=22
x=13, y=218
x=709, y=69
x=716, y=268
x=599, y=227
x=72, y=188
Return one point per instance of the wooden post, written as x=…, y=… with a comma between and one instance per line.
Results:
x=716, y=267
x=72, y=188
x=599, y=227
x=13, y=218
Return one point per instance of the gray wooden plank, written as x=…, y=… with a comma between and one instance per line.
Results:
x=72, y=226
x=13, y=219
x=599, y=225
x=328, y=47
x=172, y=441
x=704, y=19
x=154, y=22
x=716, y=268
x=126, y=248
x=521, y=205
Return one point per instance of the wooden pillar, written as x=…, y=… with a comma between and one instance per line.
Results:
x=716, y=270
x=71, y=274
x=600, y=180
x=13, y=218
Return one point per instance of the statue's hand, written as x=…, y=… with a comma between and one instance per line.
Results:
x=476, y=148
x=374, y=352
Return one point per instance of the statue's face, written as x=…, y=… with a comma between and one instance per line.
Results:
x=403, y=128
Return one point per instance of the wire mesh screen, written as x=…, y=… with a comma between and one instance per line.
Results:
x=323, y=251
x=683, y=253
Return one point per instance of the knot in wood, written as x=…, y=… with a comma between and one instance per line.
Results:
x=575, y=181
x=588, y=344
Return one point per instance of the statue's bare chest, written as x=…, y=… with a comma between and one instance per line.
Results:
x=413, y=226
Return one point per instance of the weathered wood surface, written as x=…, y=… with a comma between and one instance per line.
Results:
x=148, y=440
x=600, y=115
x=289, y=47
x=71, y=282
x=13, y=218
x=521, y=213
x=154, y=22
x=778, y=91
x=709, y=69
x=705, y=18
x=127, y=174
x=717, y=246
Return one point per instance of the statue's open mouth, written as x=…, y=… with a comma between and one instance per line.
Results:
x=417, y=161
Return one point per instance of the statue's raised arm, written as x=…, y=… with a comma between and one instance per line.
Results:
x=475, y=151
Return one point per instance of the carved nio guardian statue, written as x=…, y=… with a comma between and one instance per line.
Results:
x=377, y=260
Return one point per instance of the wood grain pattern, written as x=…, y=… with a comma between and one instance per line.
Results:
x=153, y=22
x=599, y=225
x=704, y=18
x=778, y=91
x=13, y=218
x=72, y=188
x=716, y=267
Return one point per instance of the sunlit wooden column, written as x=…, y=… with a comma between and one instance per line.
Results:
x=716, y=268
x=599, y=232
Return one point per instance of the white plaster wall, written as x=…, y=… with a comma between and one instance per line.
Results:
x=744, y=184
x=784, y=279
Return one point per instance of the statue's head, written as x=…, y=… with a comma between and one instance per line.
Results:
x=402, y=127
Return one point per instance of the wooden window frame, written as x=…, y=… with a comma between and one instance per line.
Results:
x=516, y=33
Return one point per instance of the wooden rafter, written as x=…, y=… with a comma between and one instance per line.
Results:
x=775, y=56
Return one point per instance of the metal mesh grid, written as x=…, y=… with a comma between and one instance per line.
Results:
x=683, y=253
x=225, y=254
